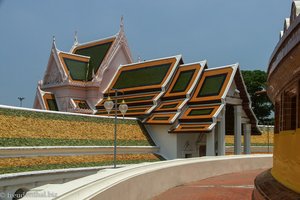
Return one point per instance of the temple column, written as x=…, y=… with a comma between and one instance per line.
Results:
x=221, y=134
x=237, y=129
x=247, y=138
x=210, y=143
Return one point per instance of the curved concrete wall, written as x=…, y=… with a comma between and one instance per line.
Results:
x=144, y=181
x=10, y=183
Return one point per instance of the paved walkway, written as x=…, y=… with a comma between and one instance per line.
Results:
x=236, y=186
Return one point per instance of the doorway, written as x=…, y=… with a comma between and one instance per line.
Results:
x=202, y=150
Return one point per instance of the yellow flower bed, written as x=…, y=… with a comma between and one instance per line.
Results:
x=26, y=127
x=34, y=161
x=255, y=139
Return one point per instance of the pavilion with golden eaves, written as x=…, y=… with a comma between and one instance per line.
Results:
x=187, y=108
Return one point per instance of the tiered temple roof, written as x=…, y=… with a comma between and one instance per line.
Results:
x=165, y=91
x=82, y=73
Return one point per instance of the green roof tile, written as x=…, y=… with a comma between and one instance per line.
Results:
x=160, y=118
x=97, y=54
x=193, y=127
x=52, y=104
x=144, y=98
x=195, y=112
x=183, y=81
x=212, y=85
x=77, y=69
x=142, y=77
x=169, y=106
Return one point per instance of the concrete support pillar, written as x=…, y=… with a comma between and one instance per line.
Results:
x=237, y=129
x=210, y=143
x=221, y=134
x=247, y=138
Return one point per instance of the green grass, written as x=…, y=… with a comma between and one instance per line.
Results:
x=73, y=165
x=8, y=142
x=54, y=116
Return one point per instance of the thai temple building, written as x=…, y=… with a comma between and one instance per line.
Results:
x=283, y=180
x=187, y=108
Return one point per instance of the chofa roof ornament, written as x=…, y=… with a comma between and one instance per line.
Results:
x=122, y=23
x=53, y=42
x=75, y=38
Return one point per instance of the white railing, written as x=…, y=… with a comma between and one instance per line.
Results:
x=65, y=113
x=10, y=183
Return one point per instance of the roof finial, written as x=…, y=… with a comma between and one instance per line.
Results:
x=53, y=42
x=75, y=38
x=122, y=23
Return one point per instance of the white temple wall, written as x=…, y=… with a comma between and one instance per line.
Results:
x=187, y=145
x=92, y=95
x=37, y=104
x=52, y=74
x=166, y=142
x=231, y=91
x=63, y=95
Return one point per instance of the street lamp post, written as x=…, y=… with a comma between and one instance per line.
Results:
x=109, y=104
x=268, y=130
x=21, y=99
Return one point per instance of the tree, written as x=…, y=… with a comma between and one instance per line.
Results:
x=256, y=82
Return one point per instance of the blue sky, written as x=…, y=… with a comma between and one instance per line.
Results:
x=223, y=32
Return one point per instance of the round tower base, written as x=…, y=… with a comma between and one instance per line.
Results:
x=267, y=187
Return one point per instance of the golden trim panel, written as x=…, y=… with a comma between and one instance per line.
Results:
x=83, y=46
x=188, y=113
x=191, y=128
x=79, y=101
x=130, y=112
x=46, y=97
x=131, y=97
x=158, y=118
x=176, y=104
